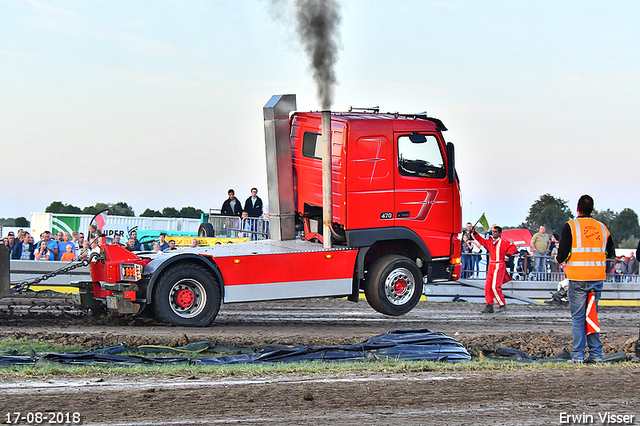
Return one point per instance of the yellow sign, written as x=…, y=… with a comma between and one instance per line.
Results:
x=182, y=241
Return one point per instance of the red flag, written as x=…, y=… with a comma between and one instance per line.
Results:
x=593, y=326
x=100, y=221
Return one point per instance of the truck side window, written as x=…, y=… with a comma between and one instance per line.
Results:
x=422, y=159
x=312, y=145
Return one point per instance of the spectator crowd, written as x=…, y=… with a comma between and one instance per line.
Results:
x=538, y=262
x=63, y=246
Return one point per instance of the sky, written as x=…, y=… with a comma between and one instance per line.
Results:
x=159, y=103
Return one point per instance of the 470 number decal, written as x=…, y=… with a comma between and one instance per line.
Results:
x=386, y=215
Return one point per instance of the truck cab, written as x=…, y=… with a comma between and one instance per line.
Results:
x=394, y=186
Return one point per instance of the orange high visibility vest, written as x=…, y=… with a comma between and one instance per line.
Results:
x=588, y=258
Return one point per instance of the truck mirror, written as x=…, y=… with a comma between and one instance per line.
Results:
x=417, y=138
x=451, y=168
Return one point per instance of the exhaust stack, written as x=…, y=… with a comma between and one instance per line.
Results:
x=279, y=168
x=327, y=199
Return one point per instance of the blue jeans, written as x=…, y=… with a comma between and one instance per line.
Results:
x=578, y=292
x=475, y=263
x=540, y=264
x=466, y=265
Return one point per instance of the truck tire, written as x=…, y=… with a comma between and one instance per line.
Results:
x=187, y=295
x=393, y=285
x=206, y=230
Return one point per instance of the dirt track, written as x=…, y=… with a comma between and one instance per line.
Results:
x=485, y=397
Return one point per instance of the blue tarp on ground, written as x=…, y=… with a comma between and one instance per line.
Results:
x=398, y=344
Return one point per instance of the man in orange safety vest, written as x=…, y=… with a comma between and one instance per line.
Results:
x=585, y=245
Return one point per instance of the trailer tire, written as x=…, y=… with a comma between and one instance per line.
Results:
x=187, y=295
x=393, y=285
x=206, y=230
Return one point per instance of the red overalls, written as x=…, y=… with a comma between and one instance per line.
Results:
x=497, y=272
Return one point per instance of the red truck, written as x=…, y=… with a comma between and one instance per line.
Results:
x=396, y=216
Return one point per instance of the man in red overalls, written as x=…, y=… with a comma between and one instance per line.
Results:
x=497, y=274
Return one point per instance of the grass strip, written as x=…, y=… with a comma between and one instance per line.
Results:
x=53, y=370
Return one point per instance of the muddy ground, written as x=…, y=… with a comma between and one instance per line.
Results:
x=475, y=397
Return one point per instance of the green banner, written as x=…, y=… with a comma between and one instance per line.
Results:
x=64, y=224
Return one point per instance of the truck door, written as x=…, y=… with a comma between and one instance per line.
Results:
x=423, y=194
x=371, y=183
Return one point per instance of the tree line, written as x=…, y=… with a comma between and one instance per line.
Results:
x=552, y=213
x=20, y=222
x=123, y=209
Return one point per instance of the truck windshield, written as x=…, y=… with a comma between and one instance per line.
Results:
x=422, y=159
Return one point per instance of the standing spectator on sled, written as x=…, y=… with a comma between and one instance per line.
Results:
x=585, y=245
x=498, y=249
x=231, y=206
x=253, y=205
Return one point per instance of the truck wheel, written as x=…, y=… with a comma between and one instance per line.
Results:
x=206, y=230
x=187, y=295
x=393, y=285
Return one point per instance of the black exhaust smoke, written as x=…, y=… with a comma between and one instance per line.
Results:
x=318, y=27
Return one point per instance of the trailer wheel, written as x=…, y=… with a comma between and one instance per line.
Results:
x=206, y=230
x=393, y=285
x=187, y=295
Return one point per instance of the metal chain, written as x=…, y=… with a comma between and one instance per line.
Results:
x=24, y=285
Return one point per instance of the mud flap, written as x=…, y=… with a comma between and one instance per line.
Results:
x=5, y=282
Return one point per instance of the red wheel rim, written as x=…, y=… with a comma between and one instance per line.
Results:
x=184, y=298
x=400, y=286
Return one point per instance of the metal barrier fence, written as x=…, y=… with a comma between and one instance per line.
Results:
x=256, y=228
x=523, y=268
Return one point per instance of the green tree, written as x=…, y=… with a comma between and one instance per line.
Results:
x=59, y=207
x=151, y=213
x=121, y=209
x=624, y=226
x=95, y=209
x=170, y=212
x=627, y=243
x=18, y=221
x=117, y=209
x=605, y=216
x=548, y=211
x=190, y=212
x=22, y=222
